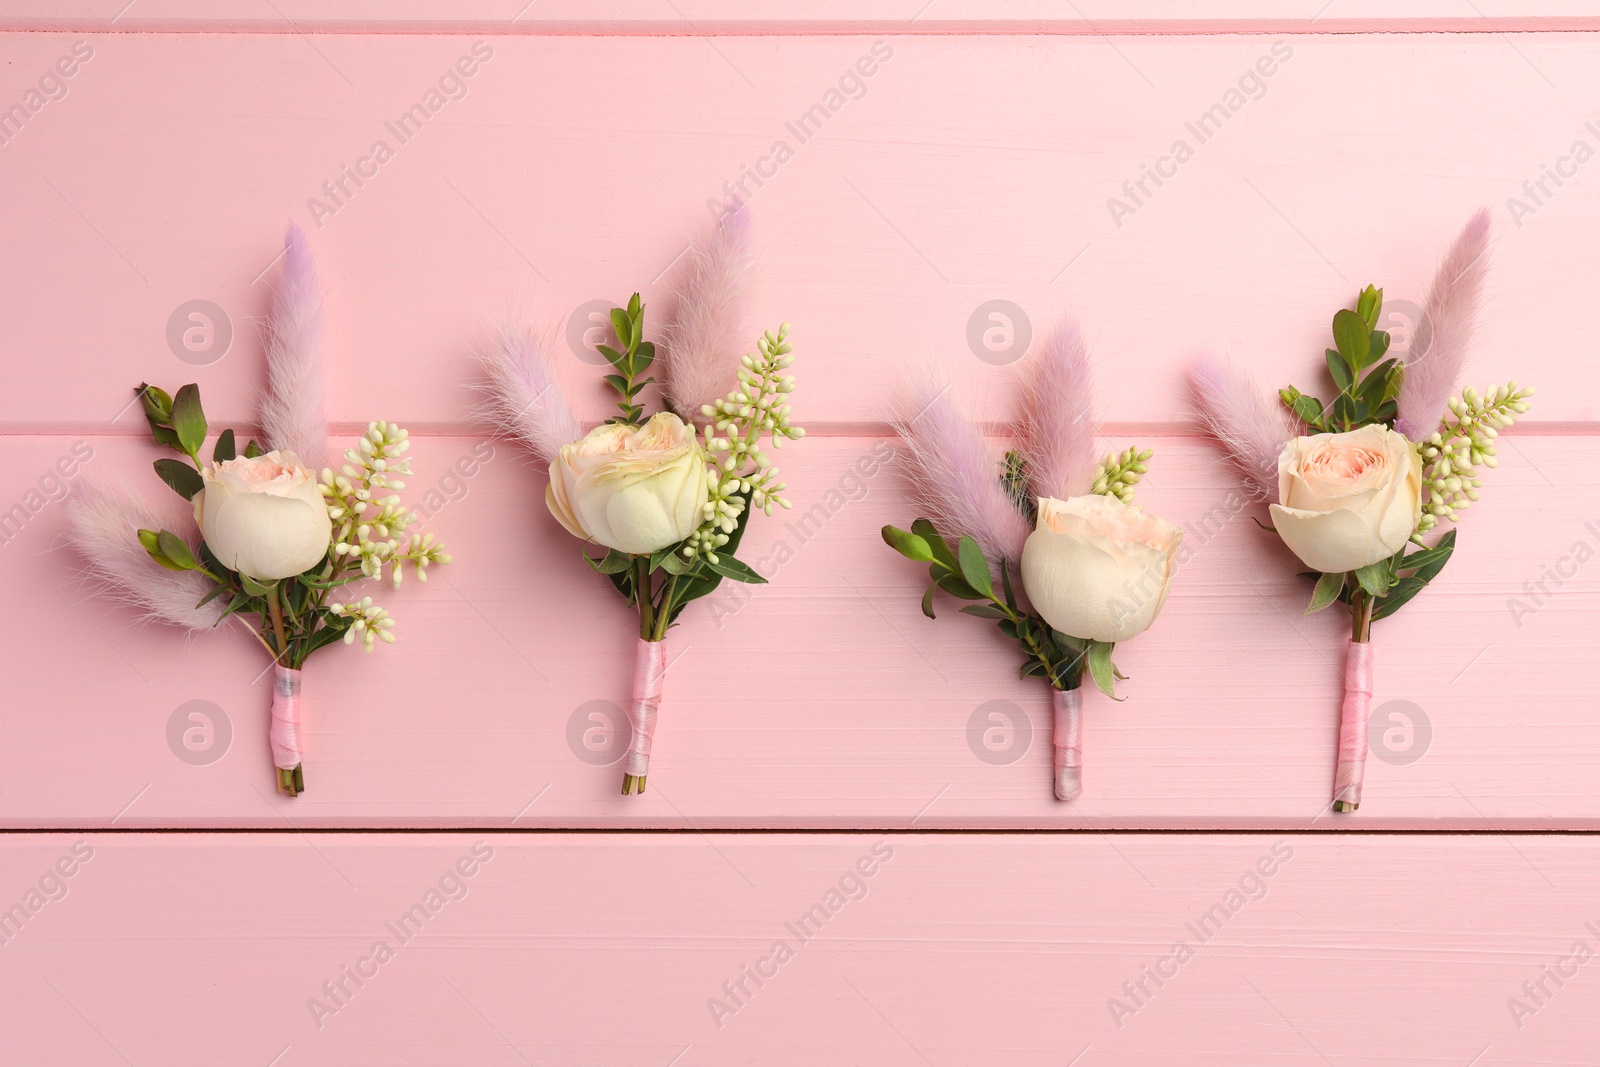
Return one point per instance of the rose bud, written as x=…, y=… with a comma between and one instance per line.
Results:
x=1097, y=568
x=635, y=489
x=264, y=517
x=1348, y=500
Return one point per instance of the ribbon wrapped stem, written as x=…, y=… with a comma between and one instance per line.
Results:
x=1353, y=715
x=1068, y=742
x=284, y=734
x=649, y=670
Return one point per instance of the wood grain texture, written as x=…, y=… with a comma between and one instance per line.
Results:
x=869, y=715
x=607, y=949
x=701, y=17
x=968, y=170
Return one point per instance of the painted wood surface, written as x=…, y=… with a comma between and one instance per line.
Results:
x=964, y=171
x=705, y=17
x=614, y=950
x=499, y=705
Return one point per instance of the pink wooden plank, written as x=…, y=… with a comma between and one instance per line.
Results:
x=581, y=949
x=870, y=711
x=731, y=17
x=971, y=170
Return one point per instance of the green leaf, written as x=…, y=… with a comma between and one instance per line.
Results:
x=908, y=544
x=1375, y=386
x=1353, y=337
x=953, y=585
x=224, y=450
x=166, y=435
x=622, y=326
x=188, y=419
x=927, y=601
x=1430, y=560
x=674, y=563
x=209, y=597
x=1308, y=409
x=617, y=382
x=1005, y=584
x=984, y=611
x=617, y=358
x=1031, y=667
x=643, y=356
x=614, y=562
x=1380, y=345
x=1375, y=578
x=332, y=629
x=1100, y=668
x=735, y=569
x=1369, y=305
x=941, y=548
x=157, y=404
x=255, y=588
x=177, y=550
x=184, y=479
x=1326, y=592
x=975, y=567
x=1340, y=371
x=252, y=450
x=694, y=588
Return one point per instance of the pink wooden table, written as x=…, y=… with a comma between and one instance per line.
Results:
x=1197, y=906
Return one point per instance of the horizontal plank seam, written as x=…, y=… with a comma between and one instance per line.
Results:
x=726, y=831
x=833, y=28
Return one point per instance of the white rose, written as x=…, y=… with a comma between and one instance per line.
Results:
x=636, y=489
x=264, y=517
x=1347, y=500
x=1097, y=568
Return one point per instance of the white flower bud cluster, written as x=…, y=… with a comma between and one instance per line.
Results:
x=739, y=468
x=371, y=623
x=1119, y=472
x=1465, y=441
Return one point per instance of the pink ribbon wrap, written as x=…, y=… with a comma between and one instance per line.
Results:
x=1068, y=742
x=284, y=733
x=649, y=669
x=1353, y=715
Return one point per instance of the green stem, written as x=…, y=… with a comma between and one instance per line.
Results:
x=1360, y=616
x=664, y=608
x=642, y=594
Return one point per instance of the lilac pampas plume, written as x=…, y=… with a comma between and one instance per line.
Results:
x=1058, y=426
x=103, y=526
x=523, y=400
x=292, y=416
x=705, y=334
x=954, y=477
x=1433, y=367
x=1251, y=428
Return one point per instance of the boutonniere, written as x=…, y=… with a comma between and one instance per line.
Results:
x=1095, y=568
x=666, y=495
x=1388, y=459
x=270, y=542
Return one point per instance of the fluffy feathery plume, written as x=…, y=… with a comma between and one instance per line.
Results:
x=954, y=476
x=103, y=527
x=1251, y=428
x=523, y=400
x=1058, y=425
x=292, y=415
x=1433, y=368
x=705, y=335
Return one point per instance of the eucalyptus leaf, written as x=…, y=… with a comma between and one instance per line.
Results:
x=224, y=449
x=927, y=601
x=1353, y=337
